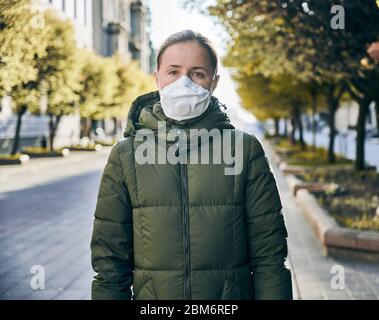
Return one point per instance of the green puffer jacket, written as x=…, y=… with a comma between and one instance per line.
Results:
x=187, y=231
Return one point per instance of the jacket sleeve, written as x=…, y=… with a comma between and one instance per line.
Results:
x=267, y=234
x=112, y=237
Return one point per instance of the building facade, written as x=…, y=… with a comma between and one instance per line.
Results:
x=122, y=27
x=79, y=12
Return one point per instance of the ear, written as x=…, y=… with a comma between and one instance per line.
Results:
x=215, y=83
x=155, y=73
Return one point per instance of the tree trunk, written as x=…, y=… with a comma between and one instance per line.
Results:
x=361, y=133
x=285, y=128
x=299, y=122
x=83, y=130
x=94, y=125
x=53, y=126
x=276, y=122
x=377, y=114
x=314, y=112
x=333, y=103
x=115, y=126
x=16, y=139
x=293, y=130
x=332, y=134
x=88, y=127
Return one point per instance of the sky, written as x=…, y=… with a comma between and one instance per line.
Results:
x=169, y=17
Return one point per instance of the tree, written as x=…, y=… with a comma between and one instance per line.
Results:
x=24, y=98
x=98, y=82
x=21, y=41
x=131, y=83
x=58, y=72
x=22, y=44
x=364, y=90
x=302, y=38
x=257, y=96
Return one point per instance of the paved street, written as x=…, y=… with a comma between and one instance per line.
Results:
x=48, y=222
x=46, y=214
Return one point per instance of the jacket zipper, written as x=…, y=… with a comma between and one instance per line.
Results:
x=186, y=233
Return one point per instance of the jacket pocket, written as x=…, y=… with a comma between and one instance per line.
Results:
x=234, y=291
x=147, y=292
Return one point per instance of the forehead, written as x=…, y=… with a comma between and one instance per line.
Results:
x=189, y=53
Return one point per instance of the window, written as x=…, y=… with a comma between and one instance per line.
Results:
x=85, y=12
x=75, y=9
x=57, y=4
x=70, y=9
x=80, y=12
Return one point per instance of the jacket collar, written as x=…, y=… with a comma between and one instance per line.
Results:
x=146, y=111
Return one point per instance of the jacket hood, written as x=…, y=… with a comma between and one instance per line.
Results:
x=146, y=111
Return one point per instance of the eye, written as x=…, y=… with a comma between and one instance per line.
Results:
x=198, y=75
x=173, y=72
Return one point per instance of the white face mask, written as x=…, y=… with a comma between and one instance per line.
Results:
x=184, y=99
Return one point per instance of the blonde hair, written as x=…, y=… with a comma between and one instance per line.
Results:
x=189, y=35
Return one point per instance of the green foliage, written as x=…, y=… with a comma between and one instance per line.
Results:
x=295, y=155
x=58, y=71
x=98, y=83
x=132, y=82
x=357, y=205
x=281, y=39
x=44, y=61
x=21, y=44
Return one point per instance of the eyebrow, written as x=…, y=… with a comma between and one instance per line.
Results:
x=178, y=66
x=202, y=68
x=173, y=66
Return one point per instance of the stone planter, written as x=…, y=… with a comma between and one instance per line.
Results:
x=336, y=240
x=50, y=154
x=23, y=159
x=97, y=147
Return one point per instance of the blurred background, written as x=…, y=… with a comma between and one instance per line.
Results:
x=301, y=75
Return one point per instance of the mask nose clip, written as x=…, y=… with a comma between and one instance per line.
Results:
x=184, y=99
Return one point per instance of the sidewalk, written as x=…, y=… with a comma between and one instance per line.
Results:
x=311, y=270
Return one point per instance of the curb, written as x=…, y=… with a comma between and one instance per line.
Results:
x=290, y=169
x=282, y=165
x=22, y=160
x=53, y=154
x=321, y=222
x=338, y=241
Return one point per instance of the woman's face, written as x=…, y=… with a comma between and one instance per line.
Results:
x=186, y=59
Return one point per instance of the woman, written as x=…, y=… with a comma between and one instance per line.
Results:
x=187, y=230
